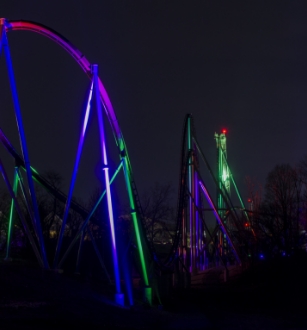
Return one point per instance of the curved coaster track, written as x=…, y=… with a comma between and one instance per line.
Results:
x=192, y=238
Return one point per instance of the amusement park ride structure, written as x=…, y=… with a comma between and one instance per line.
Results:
x=189, y=249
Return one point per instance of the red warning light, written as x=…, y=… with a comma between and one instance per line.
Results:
x=246, y=224
x=224, y=131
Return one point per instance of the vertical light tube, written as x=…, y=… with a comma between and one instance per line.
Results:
x=197, y=234
x=11, y=219
x=135, y=222
x=74, y=175
x=24, y=148
x=106, y=175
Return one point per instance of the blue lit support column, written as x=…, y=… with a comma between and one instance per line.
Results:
x=24, y=148
x=74, y=176
x=119, y=297
x=11, y=219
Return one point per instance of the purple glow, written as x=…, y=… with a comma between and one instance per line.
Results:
x=219, y=219
x=80, y=59
x=106, y=175
x=74, y=175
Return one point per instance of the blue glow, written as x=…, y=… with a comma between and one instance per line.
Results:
x=74, y=176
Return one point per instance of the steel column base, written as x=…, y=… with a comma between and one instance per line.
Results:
x=148, y=295
x=120, y=299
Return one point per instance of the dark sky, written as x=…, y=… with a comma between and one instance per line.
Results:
x=234, y=64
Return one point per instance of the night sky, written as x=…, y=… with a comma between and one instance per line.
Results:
x=239, y=65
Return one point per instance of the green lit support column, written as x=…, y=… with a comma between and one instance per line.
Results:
x=147, y=289
x=11, y=219
x=223, y=178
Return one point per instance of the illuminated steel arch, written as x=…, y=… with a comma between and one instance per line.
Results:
x=91, y=72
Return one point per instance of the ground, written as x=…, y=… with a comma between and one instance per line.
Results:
x=270, y=295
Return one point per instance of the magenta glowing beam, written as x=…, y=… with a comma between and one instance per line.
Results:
x=11, y=25
x=218, y=218
x=74, y=175
x=106, y=176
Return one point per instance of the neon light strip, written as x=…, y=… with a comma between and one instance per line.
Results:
x=24, y=149
x=106, y=175
x=135, y=222
x=219, y=219
x=9, y=232
x=11, y=25
x=88, y=217
x=74, y=176
x=236, y=188
x=197, y=222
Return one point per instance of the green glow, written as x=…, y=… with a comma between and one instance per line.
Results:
x=10, y=226
x=135, y=221
x=139, y=244
x=236, y=189
x=225, y=175
x=34, y=170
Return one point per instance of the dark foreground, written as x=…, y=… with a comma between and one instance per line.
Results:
x=268, y=296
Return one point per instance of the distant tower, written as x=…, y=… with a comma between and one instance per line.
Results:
x=223, y=178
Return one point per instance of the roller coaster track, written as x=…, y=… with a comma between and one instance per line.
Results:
x=91, y=71
x=40, y=179
x=137, y=215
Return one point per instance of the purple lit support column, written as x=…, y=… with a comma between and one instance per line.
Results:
x=74, y=176
x=24, y=148
x=119, y=297
x=197, y=234
x=219, y=220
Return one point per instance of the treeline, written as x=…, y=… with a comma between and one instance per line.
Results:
x=278, y=212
